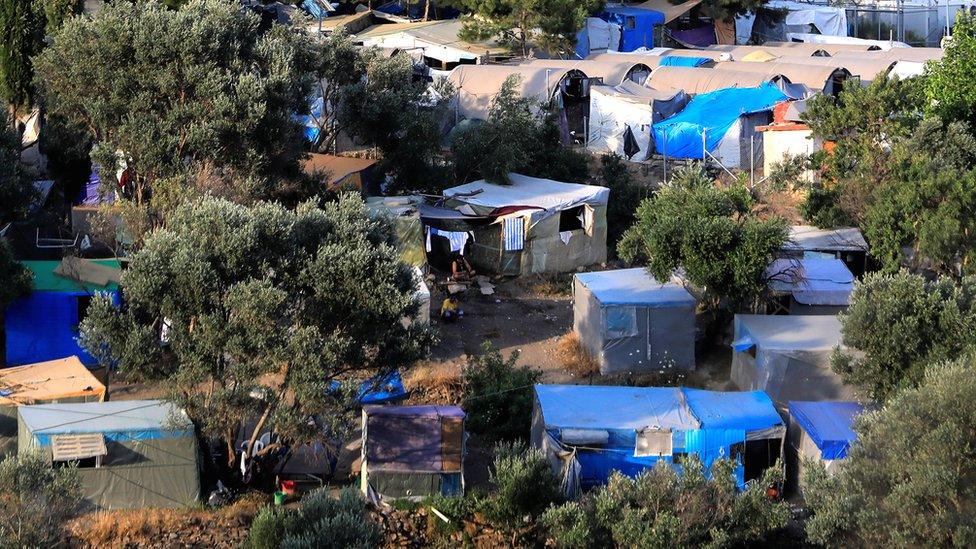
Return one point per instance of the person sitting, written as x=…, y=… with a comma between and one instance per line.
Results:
x=449, y=309
x=461, y=270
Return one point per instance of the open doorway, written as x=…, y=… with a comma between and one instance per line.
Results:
x=761, y=455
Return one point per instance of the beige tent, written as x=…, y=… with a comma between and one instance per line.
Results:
x=831, y=49
x=867, y=69
x=62, y=380
x=817, y=77
x=612, y=69
x=696, y=80
x=477, y=85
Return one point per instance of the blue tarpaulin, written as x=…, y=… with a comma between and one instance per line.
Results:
x=636, y=25
x=118, y=421
x=379, y=390
x=829, y=425
x=712, y=113
x=678, y=61
x=704, y=423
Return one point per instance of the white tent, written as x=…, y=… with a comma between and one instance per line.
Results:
x=613, y=109
x=814, y=286
x=788, y=357
x=477, y=85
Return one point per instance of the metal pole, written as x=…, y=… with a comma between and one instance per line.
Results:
x=752, y=162
x=704, y=151
x=665, y=176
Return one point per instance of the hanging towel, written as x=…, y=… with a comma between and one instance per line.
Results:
x=514, y=233
x=457, y=239
x=565, y=236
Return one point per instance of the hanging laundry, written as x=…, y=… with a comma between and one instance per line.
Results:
x=457, y=239
x=514, y=229
x=565, y=236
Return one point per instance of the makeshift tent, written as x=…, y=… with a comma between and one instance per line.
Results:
x=44, y=325
x=63, y=380
x=811, y=286
x=442, y=48
x=787, y=356
x=864, y=69
x=342, y=172
x=629, y=322
x=405, y=210
x=821, y=78
x=844, y=243
x=637, y=25
x=703, y=80
x=819, y=431
x=537, y=225
x=615, y=109
x=787, y=138
x=131, y=454
x=91, y=192
x=412, y=451
x=597, y=35
x=477, y=85
x=611, y=69
x=768, y=24
x=588, y=431
x=723, y=122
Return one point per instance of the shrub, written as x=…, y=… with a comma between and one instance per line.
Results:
x=321, y=521
x=625, y=196
x=498, y=395
x=35, y=501
x=524, y=484
x=570, y=525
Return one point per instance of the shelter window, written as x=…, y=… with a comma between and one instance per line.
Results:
x=630, y=22
x=653, y=442
x=572, y=219
x=620, y=322
x=87, y=450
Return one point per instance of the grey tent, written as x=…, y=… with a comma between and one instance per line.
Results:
x=130, y=454
x=810, y=286
x=629, y=322
x=412, y=451
x=844, y=243
x=822, y=432
x=788, y=357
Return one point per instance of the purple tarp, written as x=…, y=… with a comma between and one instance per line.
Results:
x=700, y=36
x=411, y=438
x=88, y=196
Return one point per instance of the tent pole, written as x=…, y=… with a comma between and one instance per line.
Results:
x=752, y=162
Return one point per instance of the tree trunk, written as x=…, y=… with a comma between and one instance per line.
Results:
x=267, y=411
x=426, y=9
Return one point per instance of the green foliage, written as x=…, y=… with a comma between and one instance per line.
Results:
x=183, y=92
x=321, y=521
x=16, y=185
x=710, y=233
x=549, y=24
x=900, y=324
x=661, y=508
x=515, y=139
x=261, y=299
x=57, y=11
x=950, y=88
x=908, y=482
x=625, y=195
x=35, y=501
x=821, y=208
x=340, y=64
x=524, y=485
x=18, y=281
x=397, y=114
x=498, y=395
x=21, y=37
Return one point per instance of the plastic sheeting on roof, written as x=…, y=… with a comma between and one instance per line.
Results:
x=790, y=333
x=530, y=191
x=65, y=378
x=812, y=281
x=413, y=438
x=746, y=410
x=682, y=61
x=711, y=114
x=378, y=389
x=118, y=420
x=829, y=425
x=614, y=408
x=809, y=238
x=634, y=287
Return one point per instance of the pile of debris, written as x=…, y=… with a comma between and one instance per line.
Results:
x=422, y=527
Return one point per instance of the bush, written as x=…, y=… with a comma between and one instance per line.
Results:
x=524, y=485
x=820, y=208
x=321, y=521
x=498, y=395
x=35, y=501
x=625, y=196
x=661, y=508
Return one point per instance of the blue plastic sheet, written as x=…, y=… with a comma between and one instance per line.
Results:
x=677, y=61
x=379, y=390
x=829, y=425
x=711, y=113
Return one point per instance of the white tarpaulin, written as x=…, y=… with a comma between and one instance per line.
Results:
x=828, y=20
x=830, y=39
x=808, y=238
x=812, y=281
x=530, y=191
x=602, y=35
x=612, y=111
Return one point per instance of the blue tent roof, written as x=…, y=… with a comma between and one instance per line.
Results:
x=713, y=113
x=678, y=61
x=829, y=425
x=634, y=287
x=748, y=410
x=378, y=389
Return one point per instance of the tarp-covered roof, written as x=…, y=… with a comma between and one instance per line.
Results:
x=636, y=408
x=477, y=85
x=337, y=167
x=413, y=438
x=54, y=379
x=530, y=191
x=632, y=91
x=703, y=80
x=829, y=425
x=791, y=332
x=712, y=114
x=46, y=280
x=117, y=420
x=842, y=239
x=812, y=281
x=634, y=287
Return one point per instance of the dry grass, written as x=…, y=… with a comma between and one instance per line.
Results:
x=574, y=357
x=548, y=284
x=434, y=384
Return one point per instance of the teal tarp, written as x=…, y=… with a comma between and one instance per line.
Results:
x=712, y=113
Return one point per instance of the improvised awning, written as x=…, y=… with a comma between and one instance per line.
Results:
x=829, y=425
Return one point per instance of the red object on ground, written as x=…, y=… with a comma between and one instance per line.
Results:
x=288, y=487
